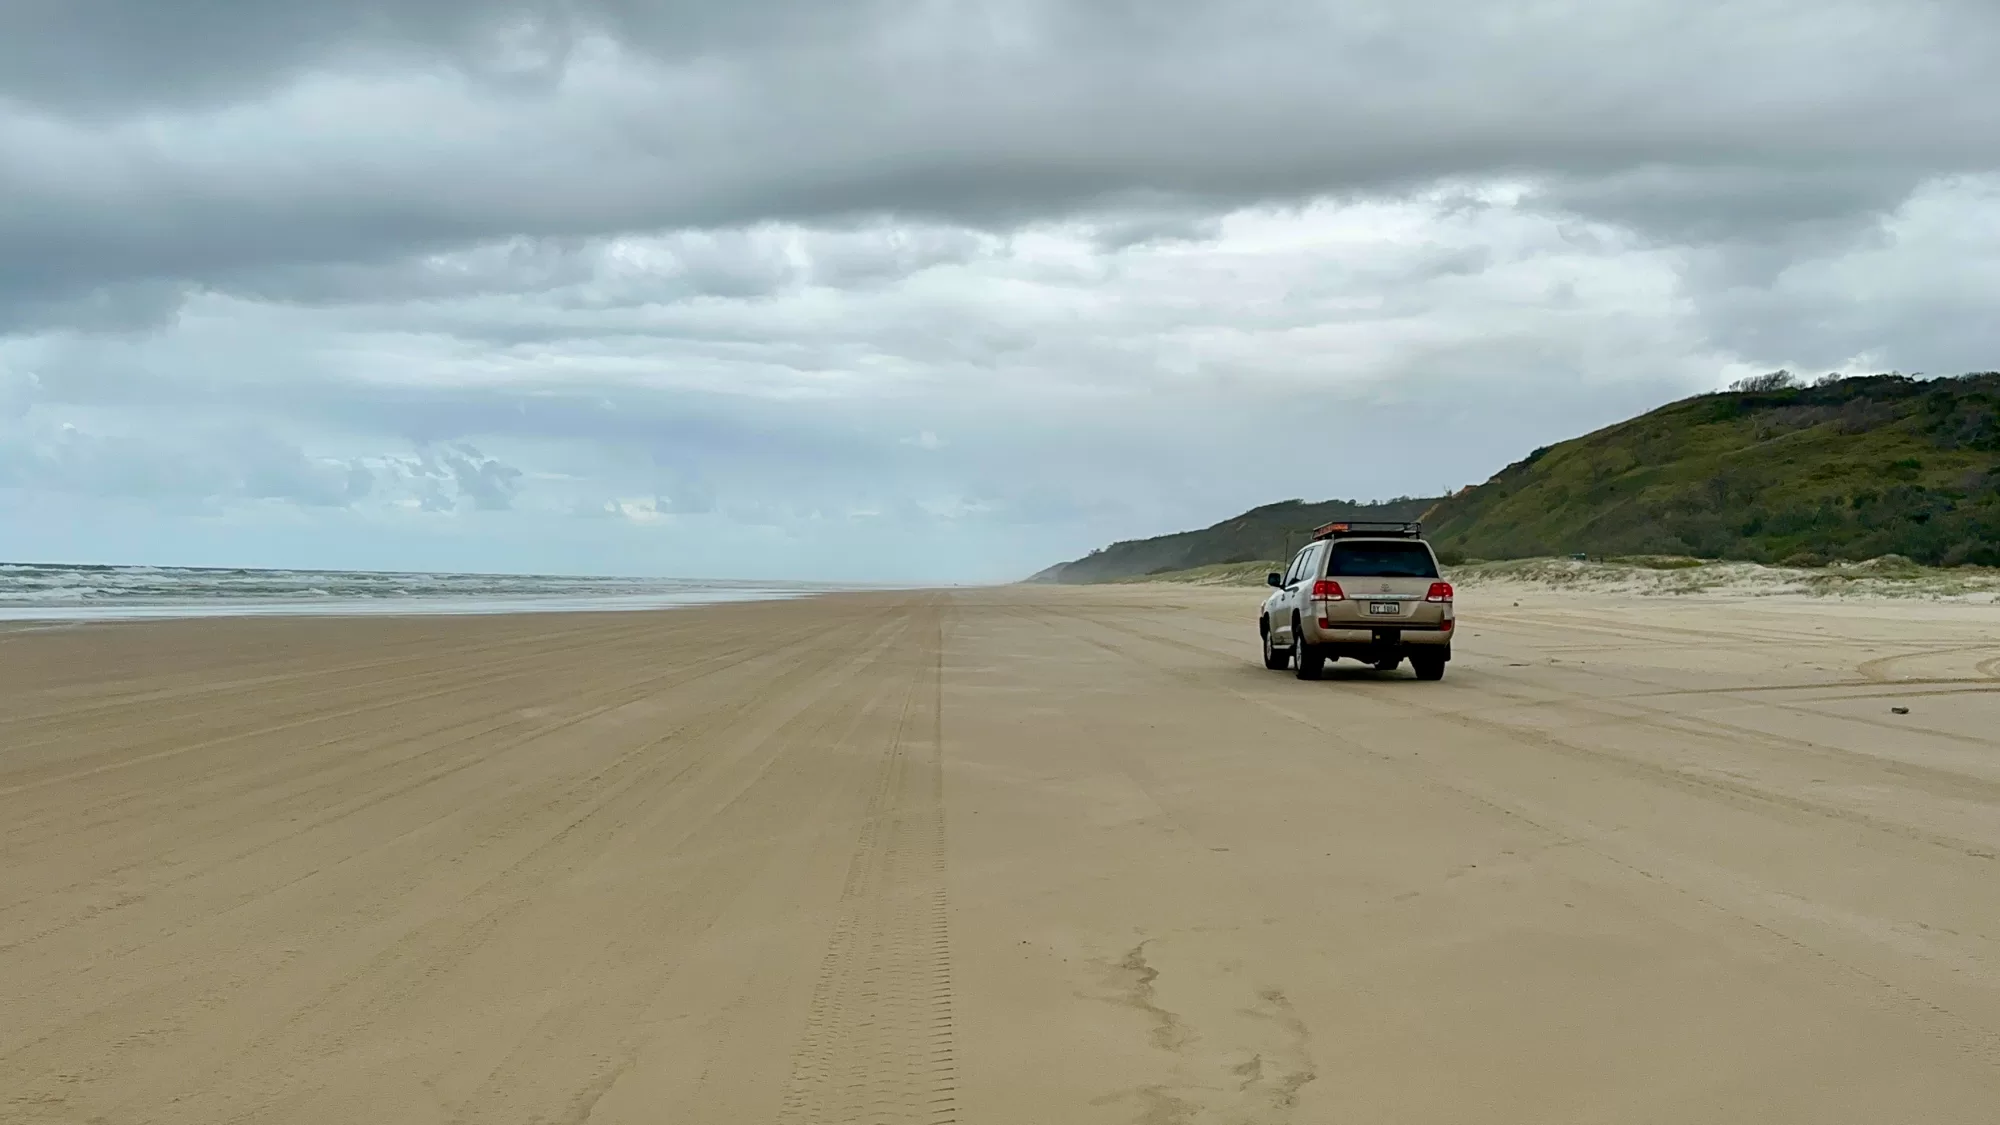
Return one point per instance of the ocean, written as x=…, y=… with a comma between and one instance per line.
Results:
x=46, y=591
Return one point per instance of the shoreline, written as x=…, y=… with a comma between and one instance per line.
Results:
x=49, y=592
x=360, y=607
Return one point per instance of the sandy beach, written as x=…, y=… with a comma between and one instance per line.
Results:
x=1025, y=856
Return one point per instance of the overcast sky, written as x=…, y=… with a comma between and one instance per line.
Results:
x=926, y=289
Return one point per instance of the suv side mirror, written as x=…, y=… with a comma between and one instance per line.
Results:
x=1274, y=579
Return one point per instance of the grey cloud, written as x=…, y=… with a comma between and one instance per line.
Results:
x=570, y=272
x=1445, y=261
x=728, y=263
x=1915, y=292
x=487, y=483
x=105, y=55
x=754, y=513
x=666, y=430
x=1725, y=204
x=200, y=469
x=1140, y=226
x=1015, y=504
x=583, y=272
x=1942, y=328
x=177, y=453
x=19, y=390
x=696, y=427
x=685, y=503
x=845, y=259
x=274, y=470
x=98, y=56
x=724, y=115
x=118, y=306
x=514, y=265
x=687, y=492
x=1753, y=222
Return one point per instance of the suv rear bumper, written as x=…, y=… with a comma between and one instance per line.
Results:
x=1414, y=633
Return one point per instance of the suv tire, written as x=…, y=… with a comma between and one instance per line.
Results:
x=1275, y=658
x=1427, y=666
x=1307, y=659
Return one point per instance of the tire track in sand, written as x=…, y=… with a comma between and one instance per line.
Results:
x=878, y=1042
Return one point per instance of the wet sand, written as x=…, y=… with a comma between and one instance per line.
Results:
x=1011, y=856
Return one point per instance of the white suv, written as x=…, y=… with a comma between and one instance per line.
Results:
x=1369, y=591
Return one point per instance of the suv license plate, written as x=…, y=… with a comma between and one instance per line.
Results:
x=1385, y=607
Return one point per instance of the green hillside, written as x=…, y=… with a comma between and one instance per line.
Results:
x=1260, y=533
x=1773, y=472
x=1776, y=472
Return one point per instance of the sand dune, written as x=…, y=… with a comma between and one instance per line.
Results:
x=1025, y=856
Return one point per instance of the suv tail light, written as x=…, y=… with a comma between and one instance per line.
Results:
x=1327, y=590
x=1440, y=592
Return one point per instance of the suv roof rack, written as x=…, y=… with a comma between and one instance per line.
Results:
x=1342, y=529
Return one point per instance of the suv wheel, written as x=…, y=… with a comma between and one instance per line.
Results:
x=1428, y=666
x=1275, y=658
x=1306, y=658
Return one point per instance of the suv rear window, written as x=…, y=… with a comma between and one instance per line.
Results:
x=1381, y=560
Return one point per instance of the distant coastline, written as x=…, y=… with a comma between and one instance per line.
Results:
x=88, y=592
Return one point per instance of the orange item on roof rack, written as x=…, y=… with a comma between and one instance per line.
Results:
x=1399, y=529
